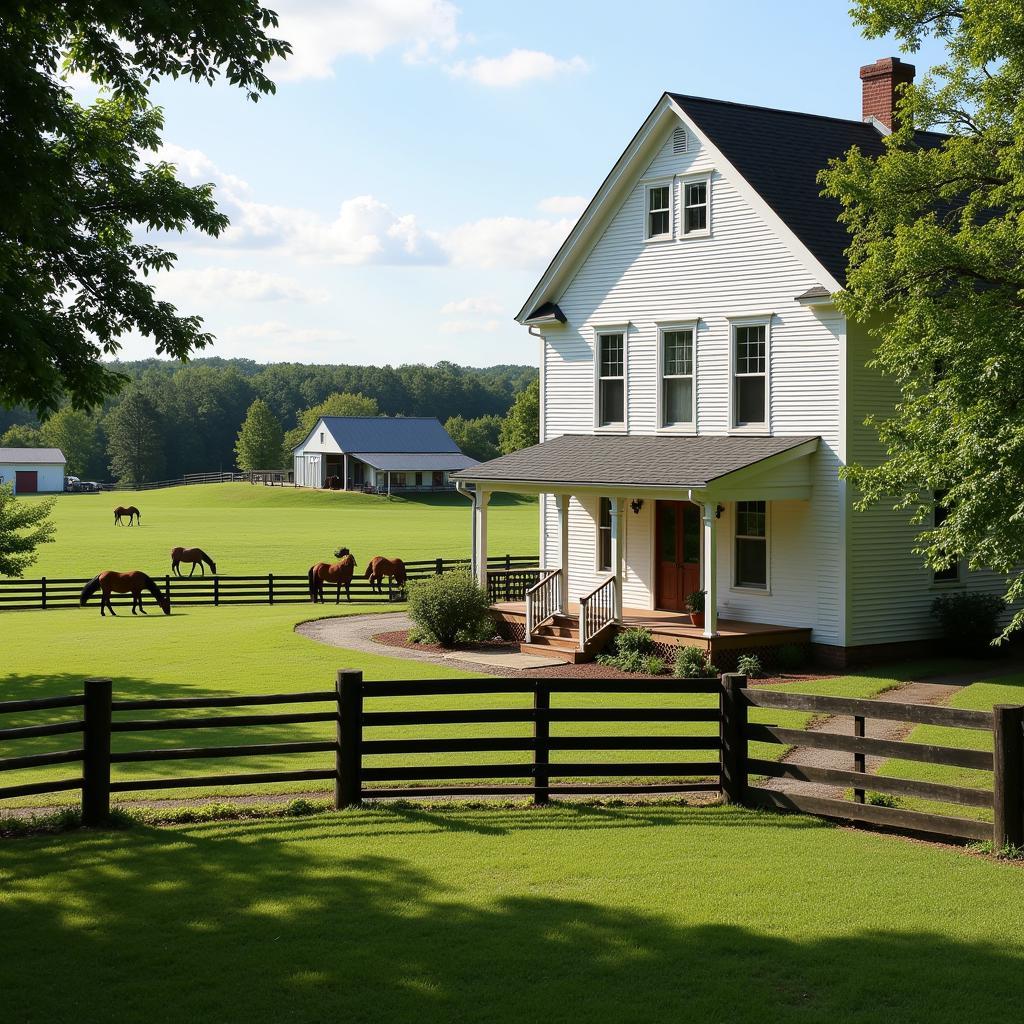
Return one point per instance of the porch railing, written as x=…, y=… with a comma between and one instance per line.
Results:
x=505, y=584
x=597, y=611
x=543, y=601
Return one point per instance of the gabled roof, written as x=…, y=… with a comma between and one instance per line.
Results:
x=389, y=434
x=43, y=456
x=634, y=460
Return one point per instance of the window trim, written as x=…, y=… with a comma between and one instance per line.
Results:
x=750, y=428
x=740, y=588
x=953, y=581
x=668, y=182
x=664, y=326
x=704, y=178
x=599, y=330
x=598, y=536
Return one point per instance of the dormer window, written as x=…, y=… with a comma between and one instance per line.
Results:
x=695, y=206
x=658, y=222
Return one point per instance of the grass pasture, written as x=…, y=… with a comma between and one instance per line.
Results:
x=250, y=529
x=569, y=913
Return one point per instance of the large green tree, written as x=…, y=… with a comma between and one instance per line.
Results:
x=936, y=267
x=23, y=527
x=478, y=438
x=21, y=435
x=338, y=404
x=133, y=439
x=521, y=427
x=259, y=444
x=76, y=434
x=77, y=185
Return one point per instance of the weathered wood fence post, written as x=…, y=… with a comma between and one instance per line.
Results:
x=43, y=589
x=1008, y=776
x=270, y=588
x=348, y=755
x=733, y=707
x=859, y=760
x=96, y=752
x=541, y=739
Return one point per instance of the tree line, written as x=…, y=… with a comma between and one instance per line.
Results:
x=170, y=419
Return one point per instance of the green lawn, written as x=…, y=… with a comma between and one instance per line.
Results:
x=253, y=529
x=204, y=651
x=572, y=913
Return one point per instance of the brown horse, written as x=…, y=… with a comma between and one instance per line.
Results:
x=131, y=512
x=124, y=583
x=339, y=573
x=194, y=555
x=379, y=567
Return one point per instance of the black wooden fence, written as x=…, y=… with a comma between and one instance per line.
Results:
x=357, y=709
x=269, y=588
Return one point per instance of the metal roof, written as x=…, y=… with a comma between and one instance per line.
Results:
x=434, y=461
x=631, y=460
x=388, y=434
x=43, y=456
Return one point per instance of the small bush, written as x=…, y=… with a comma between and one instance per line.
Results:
x=880, y=800
x=750, y=665
x=450, y=608
x=692, y=662
x=633, y=651
x=791, y=657
x=634, y=641
x=969, y=622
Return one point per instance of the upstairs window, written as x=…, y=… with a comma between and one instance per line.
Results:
x=611, y=379
x=695, y=207
x=677, y=378
x=751, y=563
x=750, y=375
x=950, y=574
x=659, y=211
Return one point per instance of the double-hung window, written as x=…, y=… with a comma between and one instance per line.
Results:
x=658, y=222
x=750, y=375
x=604, y=535
x=751, y=551
x=611, y=379
x=695, y=206
x=951, y=574
x=677, y=377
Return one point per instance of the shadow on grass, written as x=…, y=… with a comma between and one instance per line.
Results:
x=292, y=925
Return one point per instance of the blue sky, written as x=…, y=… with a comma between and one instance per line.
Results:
x=398, y=197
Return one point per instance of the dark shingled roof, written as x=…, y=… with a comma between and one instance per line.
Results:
x=780, y=152
x=547, y=311
x=632, y=460
x=389, y=434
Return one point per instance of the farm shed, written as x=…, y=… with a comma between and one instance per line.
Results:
x=32, y=470
x=378, y=453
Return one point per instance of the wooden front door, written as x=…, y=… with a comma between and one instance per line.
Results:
x=677, y=553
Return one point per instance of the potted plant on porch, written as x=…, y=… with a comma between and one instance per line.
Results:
x=695, y=606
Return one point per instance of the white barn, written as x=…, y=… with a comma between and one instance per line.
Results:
x=32, y=470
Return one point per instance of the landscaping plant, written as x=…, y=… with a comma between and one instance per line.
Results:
x=750, y=665
x=450, y=608
x=693, y=663
x=633, y=650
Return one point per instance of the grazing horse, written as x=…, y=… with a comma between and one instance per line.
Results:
x=194, y=555
x=339, y=572
x=131, y=512
x=379, y=567
x=133, y=583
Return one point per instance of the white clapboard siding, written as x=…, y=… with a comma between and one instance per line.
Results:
x=742, y=268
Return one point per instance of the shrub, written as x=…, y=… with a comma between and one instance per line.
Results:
x=692, y=662
x=634, y=641
x=881, y=799
x=969, y=622
x=633, y=651
x=791, y=657
x=750, y=665
x=450, y=608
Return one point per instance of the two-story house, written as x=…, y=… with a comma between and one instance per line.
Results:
x=699, y=394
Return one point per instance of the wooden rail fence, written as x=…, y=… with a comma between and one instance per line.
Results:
x=269, y=588
x=356, y=710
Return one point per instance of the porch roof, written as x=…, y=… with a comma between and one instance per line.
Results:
x=415, y=460
x=643, y=461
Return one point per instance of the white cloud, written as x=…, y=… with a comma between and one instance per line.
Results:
x=239, y=286
x=472, y=305
x=323, y=31
x=469, y=326
x=567, y=206
x=277, y=341
x=515, y=68
x=506, y=242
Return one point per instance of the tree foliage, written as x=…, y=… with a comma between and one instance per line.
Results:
x=21, y=435
x=936, y=267
x=521, y=428
x=338, y=404
x=133, y=439
x=76, y=434
x=259, y=444
x=23, y=527
x=478, y=438
x=72, y=272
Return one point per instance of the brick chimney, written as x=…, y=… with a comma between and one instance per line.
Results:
x=881, y=83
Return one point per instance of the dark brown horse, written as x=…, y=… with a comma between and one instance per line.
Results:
x=379, y=567
x=133, y=583
x=194, y=555
x=339, y=573
x=130, y=511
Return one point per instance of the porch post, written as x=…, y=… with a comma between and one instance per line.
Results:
x=710, y=570
x=344, y=472
x=562, y=504
x=480, y=502
x=618, y=551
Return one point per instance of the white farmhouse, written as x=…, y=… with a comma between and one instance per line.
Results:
x=380, y=453
x=32, y=470
x=699, y=395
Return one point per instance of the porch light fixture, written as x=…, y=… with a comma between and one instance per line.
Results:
x=718, y=511
x=636, y=504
